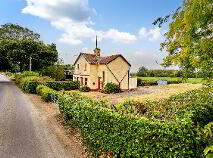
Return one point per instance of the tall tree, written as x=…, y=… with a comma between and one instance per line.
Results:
x=14, y=31
x=19, y=46
x=189, y=40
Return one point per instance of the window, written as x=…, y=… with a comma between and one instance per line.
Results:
x=86, y=81
x=78, y=67
x=85, y=68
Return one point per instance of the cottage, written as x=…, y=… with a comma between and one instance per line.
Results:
x=95, y=71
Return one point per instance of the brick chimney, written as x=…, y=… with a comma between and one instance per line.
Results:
x=97, y=52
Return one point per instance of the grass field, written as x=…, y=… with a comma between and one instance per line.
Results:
x=189, y=80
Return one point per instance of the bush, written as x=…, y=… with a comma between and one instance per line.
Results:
x=56, y=72
x=63, y=85
x=19, y=76
x=47, y=94
x=111, y=88
x=84, y=89
x=29, y=84
x=141, y=82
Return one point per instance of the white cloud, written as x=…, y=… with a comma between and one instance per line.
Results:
x=123, y=37
x=74, y=18
x=155, y=34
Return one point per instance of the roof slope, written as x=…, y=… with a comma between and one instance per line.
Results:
x=93, y=59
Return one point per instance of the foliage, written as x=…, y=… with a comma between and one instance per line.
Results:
x=190, y=37
x=14, y=31
x=107, y=131
x=19, y=76
x=208, y=129
x=55, y=71
x=141, y=82
x=177, y=80
x=153, y=81
x=167, y=128
x=29, y=84
x=18, y=45
x=142, y=72
x=111, y=88
x=63, y=85
x=69, y=67
x=47, y=94
x=84, y=89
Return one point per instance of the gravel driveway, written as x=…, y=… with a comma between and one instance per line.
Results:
x=22, y=133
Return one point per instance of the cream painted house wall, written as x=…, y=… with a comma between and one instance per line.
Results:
x=93, y=76
x=120, y=69
x=82, y=70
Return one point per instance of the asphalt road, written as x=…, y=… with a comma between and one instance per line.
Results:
x=22, y=133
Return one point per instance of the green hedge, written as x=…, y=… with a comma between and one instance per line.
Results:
x=107, y=131
x=63, y=85
x=196, y=105
x=28, y=83
x=141, y=82
x=47, y=94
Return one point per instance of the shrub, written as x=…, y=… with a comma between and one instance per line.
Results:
x=47, y=94
x=56, y=72
x=84, y=89
x=63, y=85
x=29, y=84
x=19, y=76
x=111, y=88
x=141, y=82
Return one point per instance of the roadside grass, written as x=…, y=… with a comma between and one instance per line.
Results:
x=189, y=80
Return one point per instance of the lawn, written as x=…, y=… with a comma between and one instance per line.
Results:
x=189, y=80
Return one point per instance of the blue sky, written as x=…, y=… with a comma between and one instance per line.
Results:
x=122, y=26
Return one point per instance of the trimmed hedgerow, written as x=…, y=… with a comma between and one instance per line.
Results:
x=108, y=131
x=196, y=105
x=47, y=94
x=63, y=85
x=29, y=84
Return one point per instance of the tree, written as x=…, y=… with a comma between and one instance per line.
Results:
x=142, y=72
x=18, y=52
x=18, y=45
x=14, y=31
x=69, y=67
x=189, y=40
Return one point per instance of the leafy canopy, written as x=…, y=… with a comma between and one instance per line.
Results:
x=189, y=40
x=14, y=31
x=19, y=44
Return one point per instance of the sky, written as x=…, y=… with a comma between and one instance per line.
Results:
x=122, y=26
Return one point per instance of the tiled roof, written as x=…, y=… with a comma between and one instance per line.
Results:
x=93, y=59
